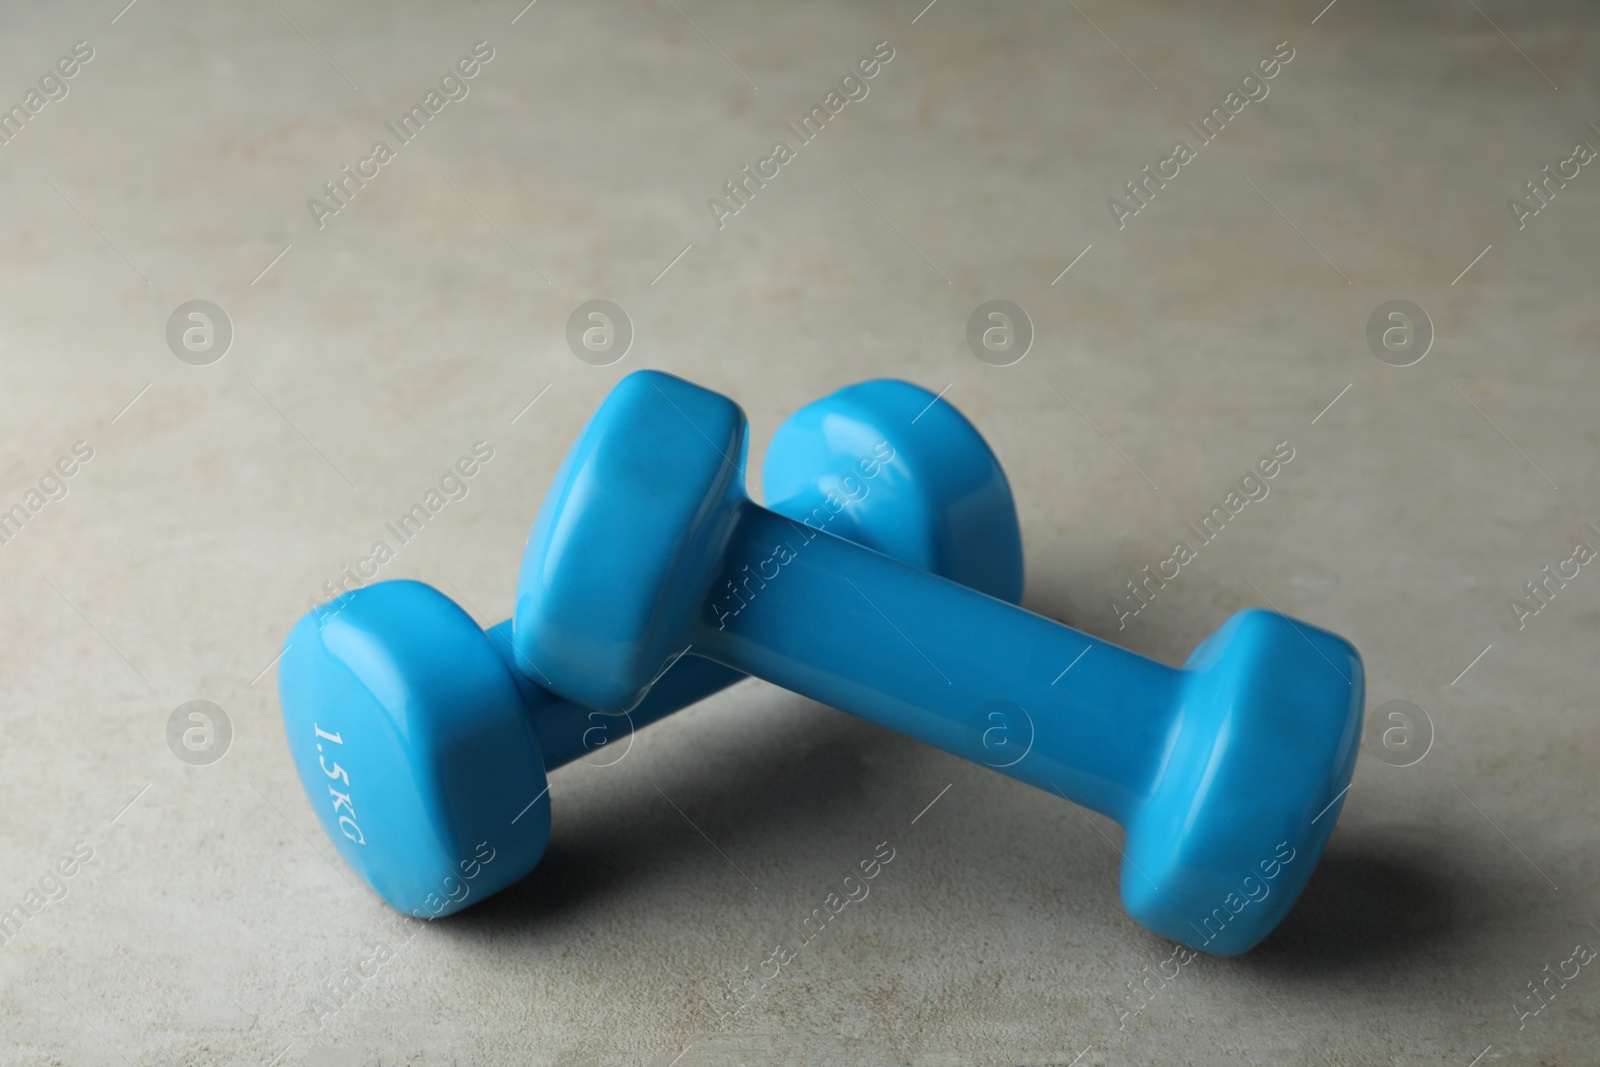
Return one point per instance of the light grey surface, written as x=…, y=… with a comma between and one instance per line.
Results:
x=1221, y=320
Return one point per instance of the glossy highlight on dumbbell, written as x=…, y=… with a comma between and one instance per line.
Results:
x=423, y=742
x=1213, y=770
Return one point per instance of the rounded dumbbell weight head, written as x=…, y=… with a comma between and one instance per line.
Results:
x=423, y=743
x=612, y=620
x=1262, y=748
x=1227, y=775
x=414, y=745
x=886, y=442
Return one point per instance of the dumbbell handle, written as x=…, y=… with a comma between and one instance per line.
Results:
x=566, y=731
x=936, y=661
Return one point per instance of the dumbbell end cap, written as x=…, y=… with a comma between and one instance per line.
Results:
x=628, y=540
x=1251, y=783
x=413, y=745
x=889, y=452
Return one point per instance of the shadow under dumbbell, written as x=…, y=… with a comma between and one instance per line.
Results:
x=1374, y=897
x=793, y=781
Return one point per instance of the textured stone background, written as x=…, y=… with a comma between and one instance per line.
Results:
x=424, y=317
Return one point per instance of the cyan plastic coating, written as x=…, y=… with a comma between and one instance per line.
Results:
x=423, y=743
x=1228, y=775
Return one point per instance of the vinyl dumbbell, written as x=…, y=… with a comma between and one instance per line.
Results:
x=424, y=745
x=1227, y=775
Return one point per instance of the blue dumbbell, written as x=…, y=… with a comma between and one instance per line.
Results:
x=1227, y=775
x=423, y=744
